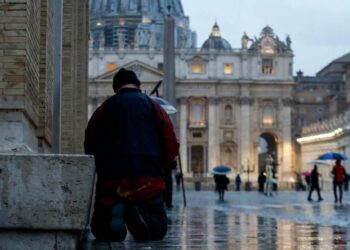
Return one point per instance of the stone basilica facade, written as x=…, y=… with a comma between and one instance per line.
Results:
x=229, y=100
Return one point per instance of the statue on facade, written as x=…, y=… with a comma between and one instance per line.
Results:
x=183, y=40
x=288, y=42
x=245, y=40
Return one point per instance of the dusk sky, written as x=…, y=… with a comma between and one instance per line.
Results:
x=319, y=29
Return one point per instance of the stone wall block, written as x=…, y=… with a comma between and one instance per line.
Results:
x=45, y=192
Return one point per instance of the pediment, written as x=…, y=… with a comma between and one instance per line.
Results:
x=145, y=72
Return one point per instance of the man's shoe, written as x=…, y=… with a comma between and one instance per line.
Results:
x=136, y=224
x=320, y=199
x=309, y=199
x=117, y=226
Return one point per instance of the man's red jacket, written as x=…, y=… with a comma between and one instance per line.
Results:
x=133, y=140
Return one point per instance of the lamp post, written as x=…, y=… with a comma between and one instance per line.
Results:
x=248, y=170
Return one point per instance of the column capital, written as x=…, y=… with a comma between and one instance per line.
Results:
x=228, y=99
x=182, y=99
x=213, y=100
x=246, y=100
x=287, y=102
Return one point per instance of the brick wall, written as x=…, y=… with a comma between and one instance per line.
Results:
x=27, y=70
x=19, y=60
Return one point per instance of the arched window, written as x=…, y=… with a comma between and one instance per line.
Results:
x=268, y=115
x=228, y=114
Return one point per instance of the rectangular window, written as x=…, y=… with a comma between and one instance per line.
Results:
x=160, y=66
x=197, y=159
x=197, y=68
x=197, y=114
x=228, y=69
x=267, y=66
x=111, y=66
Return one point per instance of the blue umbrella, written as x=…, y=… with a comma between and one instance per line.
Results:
x=332, y=156
x=221, y=170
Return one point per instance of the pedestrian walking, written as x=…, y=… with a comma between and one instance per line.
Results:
x=269, y=180
x=274, y=181
x=178, y=177
x=133, y=141
x=238, y=182
x=221, y=182
x=339, y=175
x=261, y=181
x=314, y=180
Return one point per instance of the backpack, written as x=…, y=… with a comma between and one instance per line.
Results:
x=339, y=175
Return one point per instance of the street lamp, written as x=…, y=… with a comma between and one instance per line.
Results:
x=249, y=169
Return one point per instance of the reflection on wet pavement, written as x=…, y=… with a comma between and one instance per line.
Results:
x=215, y=226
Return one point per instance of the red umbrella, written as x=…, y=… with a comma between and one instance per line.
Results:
x=306, y=173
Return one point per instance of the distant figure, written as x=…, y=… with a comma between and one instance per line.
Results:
x=339, y=174
x=261, y=181
x=221, y=182
x=168, y=179
x=274, y=181
x=314, y=184
x=299, y=183
x=178, y=177
x=269, y=180
x=238, y=182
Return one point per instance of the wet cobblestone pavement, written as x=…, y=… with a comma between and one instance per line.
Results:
x=249, y=220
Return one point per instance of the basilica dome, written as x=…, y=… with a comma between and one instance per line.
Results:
x=137, y=23
x=215, y=41
x=134, y=7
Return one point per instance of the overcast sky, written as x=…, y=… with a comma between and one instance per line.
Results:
x=319, y=29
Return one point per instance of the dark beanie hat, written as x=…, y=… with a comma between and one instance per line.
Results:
x=123, y=77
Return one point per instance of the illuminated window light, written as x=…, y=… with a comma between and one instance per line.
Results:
x=267, y=116
x=111, y=66
x=197, y=68
x=146, y=19
x=228, y=69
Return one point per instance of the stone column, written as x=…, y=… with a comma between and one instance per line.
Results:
x=245, y=139
x=169, y=60
x=183, y=133
x=286, y=114
x=212, y=136
x=74, y=75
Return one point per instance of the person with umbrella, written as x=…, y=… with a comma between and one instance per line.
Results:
x=338, y=171
x=339, y=175
x=314, y=184
x=221, y=180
